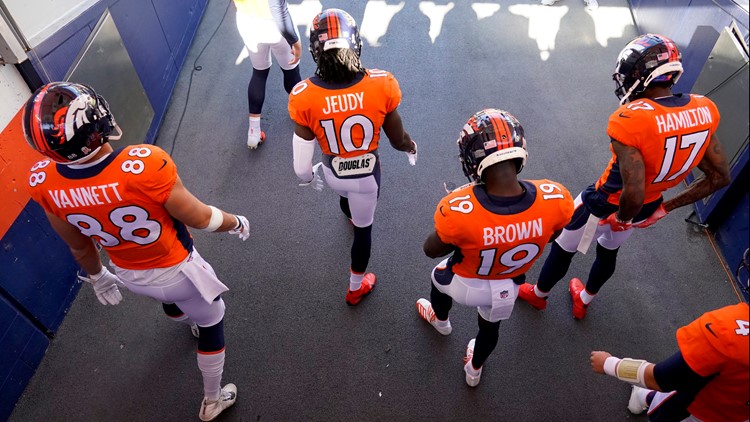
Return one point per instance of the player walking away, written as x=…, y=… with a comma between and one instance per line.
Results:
x=342, y=109
x=132, y=202
x=495, y=228
x=705, y=380
x=657, y=137
x=266, y=28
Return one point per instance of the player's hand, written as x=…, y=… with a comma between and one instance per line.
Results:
x=616, y=224
x=316, y=183
x=412, y=155
x=660, y=213
x=597, y=361
x=105, y=286
x=296, y=52
x=242, y=229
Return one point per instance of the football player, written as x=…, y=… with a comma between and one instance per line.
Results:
x=494, y=228
x=707, y=378
x=266, y=27
x=342, y=109
x=131, y=202
x=657, y=138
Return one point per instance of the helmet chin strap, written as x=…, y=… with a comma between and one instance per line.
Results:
x=625, y=98
x=119, y=133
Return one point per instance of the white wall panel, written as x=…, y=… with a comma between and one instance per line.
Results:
x=13, y=91
x=38, y=19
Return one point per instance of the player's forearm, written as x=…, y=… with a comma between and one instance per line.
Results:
x=700, y=189
x=404, y=144
x=88, y=258
x=631, y=203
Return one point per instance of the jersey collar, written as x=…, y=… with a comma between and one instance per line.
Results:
x=500, y=206
x=86, y=172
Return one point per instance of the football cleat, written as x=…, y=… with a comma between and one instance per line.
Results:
x=472, y=375
x=579, y=308
x=526, y=292
x=195, y=331
x=637, y=403
x=490, y=136
x=424, y=308
x=354, y=297
x=210, y=409
x=254, y=141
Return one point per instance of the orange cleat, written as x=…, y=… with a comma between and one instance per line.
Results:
x=354, y=297
x=526, y=292
x=579, y=308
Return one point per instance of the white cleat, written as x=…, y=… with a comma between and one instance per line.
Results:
x=254, y=141
x=637, y=403
x=472, y=375
x=195, y=331
x=211, y=409
x=591, y=4
x=424, y=308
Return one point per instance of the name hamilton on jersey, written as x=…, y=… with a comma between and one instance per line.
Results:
x=344, y=102
x=512, y=232
x=85, y=196
x=684, y=119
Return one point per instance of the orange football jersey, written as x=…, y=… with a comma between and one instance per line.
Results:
x=717, y=344
x=672, y=134
x=346, y=121
x=498, y=240
x=118, y=202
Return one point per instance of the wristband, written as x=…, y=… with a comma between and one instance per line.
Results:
x=629, y=370
x=216, y=219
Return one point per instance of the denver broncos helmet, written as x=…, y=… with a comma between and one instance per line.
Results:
x=646, y=59
x=334, y=28
x=489, y=137
x=67, y=121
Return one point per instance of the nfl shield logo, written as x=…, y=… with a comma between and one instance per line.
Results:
x=504, y=294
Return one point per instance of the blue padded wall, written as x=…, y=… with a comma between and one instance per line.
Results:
x=39, y=274
x=23, y=347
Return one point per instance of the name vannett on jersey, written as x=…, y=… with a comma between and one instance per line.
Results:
x=512, y=232
x=85, y=196
x=684, y=119
x=344, y=102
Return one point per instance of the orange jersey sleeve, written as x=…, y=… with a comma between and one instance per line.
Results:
x=499, y=241
x=717, y=344
x=119, y=202
x=346, y=121
x=672, y=136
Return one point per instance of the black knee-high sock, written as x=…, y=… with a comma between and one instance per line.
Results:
x=441, y=303
x=256, y=90
x=291, y=78
x=344, y=205
x=554, y=268
x=602, y=269
x=361, y=248
x=485, y=342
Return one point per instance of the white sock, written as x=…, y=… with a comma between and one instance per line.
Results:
x=470, y=369
x=211, y=366
x=442, y=324
x=355, y=281
x=540, y=293
x=183, y=319
x=586, y=298
x=254, y=126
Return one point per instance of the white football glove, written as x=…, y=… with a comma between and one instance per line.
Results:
x=105, y=286
x=317, y=182
x=412, y=156
x=242, y=229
